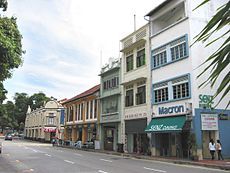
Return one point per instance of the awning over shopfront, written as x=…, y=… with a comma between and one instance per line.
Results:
x=50, y=129
x=164, y=124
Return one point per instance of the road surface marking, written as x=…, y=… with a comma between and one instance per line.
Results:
x=34, y=150
x=102, y=171
x=29, y=170
x=69, y=161
x=156, y=170
x=48, y=155
x=106, y=160
x=78, y=154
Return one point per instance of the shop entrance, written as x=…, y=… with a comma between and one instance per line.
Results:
x=108, y=142
x=173, y=144
x=206, y=136
x=140, y=143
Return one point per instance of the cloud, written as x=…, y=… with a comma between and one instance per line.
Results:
x=64, y=39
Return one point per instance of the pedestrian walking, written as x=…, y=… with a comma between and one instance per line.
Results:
x=218, y=149
x=212, y=148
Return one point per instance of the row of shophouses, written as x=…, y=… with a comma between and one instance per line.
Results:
x=149, y=100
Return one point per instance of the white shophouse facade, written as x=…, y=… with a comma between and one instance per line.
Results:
x=175, y=92
x=135, y=76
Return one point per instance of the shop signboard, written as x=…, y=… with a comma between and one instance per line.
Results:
x=172, y=110
x=205, y=101
x=209, y=121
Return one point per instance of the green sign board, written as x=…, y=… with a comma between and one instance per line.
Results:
x=205, y=101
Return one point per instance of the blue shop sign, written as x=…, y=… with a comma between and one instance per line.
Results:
x=171, y=110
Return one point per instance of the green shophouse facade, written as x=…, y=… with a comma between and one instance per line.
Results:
x=110, y=98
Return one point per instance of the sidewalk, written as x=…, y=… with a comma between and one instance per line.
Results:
x=224, y=165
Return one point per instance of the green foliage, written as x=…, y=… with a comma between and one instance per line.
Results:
x=3, y=4
x=10, y=47
x=3, y=93
x=13, y=114
x=37, y=100
x=220, y=59
x=7, y=115
x=21, y=106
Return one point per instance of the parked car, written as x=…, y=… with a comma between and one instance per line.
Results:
x=8, y=137
x=0, y=147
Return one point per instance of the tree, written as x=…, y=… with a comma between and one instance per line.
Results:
x=7, y=118
x=220, y=59
x=37, y=100
x=3, y=93
x=23, y=100
x=10, y=48
x=3, y=4
x=21, y=106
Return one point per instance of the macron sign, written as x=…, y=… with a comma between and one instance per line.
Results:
x=171, y=110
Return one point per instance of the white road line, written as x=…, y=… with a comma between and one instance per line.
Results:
x=34, y=150
x=156, y=170
x=48, y=155
x=69, y=161
x=77, y=154
x=106, y=160
x=102, y=171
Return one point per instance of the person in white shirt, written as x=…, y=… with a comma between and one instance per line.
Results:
x=212, y=148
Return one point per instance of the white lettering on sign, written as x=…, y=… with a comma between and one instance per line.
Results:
x=209, y=121
x=163, y=127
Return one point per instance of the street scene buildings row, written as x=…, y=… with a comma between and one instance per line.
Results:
x=149, y=100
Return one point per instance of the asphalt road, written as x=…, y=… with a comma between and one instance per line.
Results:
x=20, y=156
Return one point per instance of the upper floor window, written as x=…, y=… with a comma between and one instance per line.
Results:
x=129, y=98
x=173, y=15
x=110, y=105
x=129, y=63
x=170, y=52
x=140, y=58
x=111, y=83
x=141, y=95
x=50, y=120
x=159, y=59
x=81, y=111
x=62, y=118
x=91, y=109
x=87, y=110
x=172, y=89
x=180, y=88
x=70, y=113
x=95, y=108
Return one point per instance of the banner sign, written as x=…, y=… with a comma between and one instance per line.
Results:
x=209, y=122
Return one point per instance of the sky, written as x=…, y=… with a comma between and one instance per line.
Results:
x=67, y=42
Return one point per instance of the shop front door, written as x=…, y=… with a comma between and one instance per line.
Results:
x=164, y=144
x=108, y=141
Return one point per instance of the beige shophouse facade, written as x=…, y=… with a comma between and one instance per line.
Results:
x=43, y=123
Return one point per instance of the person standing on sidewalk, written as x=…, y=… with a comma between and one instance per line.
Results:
x=212, y=148
x=219, y=148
